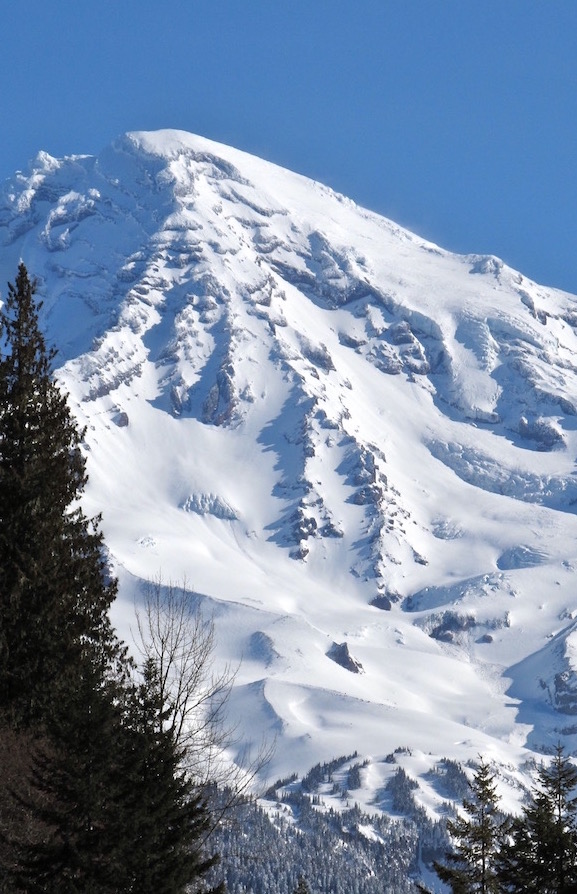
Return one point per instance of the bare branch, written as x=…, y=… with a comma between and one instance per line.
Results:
x=173, y=632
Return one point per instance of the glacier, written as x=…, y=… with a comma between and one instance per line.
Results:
x=351, y=443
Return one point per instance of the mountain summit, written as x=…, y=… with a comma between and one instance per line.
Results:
x=359, y=449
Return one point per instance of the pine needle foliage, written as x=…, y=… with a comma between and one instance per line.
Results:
x=77, y=794
x=103, y=804
x=302, y=886
x=170, y=816
x=471, y=866
x=540, y=853
x=118, y=814
x=54, y=590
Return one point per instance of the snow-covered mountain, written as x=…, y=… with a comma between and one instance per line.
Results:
x=359, y=448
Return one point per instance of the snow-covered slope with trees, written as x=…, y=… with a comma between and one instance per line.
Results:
x=357, y=447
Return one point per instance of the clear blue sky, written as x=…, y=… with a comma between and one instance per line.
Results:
x=457, y=118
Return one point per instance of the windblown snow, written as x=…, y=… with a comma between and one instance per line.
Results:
x=357, y=448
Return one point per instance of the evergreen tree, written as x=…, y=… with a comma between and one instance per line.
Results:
x=540, y=854
x=54, y=593
x=77, y=793
x=302, y=886
x=104, y=806
x=471, y=866
x=170, y=818
x=118, y=813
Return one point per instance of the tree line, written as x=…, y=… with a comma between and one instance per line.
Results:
x=98, y=792
x=533, y=853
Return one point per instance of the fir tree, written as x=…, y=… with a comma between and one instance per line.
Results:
x=117, y=811
x=170, y=818
x=540, y=854
x=77, y=793
x=104, y=806
x=470, y=867
x=54, y=593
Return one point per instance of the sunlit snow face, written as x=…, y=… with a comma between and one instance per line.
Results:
x=333, y=431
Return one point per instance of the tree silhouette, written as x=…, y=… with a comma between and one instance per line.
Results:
x=103, y=804
x=540, y=853
x=54, y=587
x=471, y=866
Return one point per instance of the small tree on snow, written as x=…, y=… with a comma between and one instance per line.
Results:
x=302, y=886
x=540, y=853
x=471, y=866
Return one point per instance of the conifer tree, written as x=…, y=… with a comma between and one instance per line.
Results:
x=540, y=854
x=54, y=593
x=471, y=866
x=77, y=793
x=170, y=817
x=105, y=806
x=118, y=812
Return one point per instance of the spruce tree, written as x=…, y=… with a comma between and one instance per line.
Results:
x=170, y=817
x=540, y=854
x=54, y=592
x=104, y=806
x=115, y=809
x=471, y=866
x=77, y=793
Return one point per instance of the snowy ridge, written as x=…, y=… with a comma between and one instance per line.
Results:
x=357, y=447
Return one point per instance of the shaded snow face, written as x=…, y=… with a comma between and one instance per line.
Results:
x=333, y=430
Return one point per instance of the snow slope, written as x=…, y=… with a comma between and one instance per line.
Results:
x=357, y=447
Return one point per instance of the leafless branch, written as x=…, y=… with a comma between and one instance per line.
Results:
x=173, y=632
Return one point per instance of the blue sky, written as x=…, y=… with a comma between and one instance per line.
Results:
x=457, y=118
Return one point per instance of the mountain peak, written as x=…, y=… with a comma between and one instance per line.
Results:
x=335, y=431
